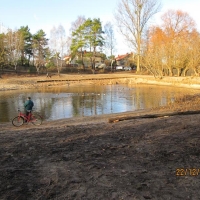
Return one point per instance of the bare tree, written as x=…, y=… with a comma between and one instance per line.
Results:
x=13, y=41
x=78, y=22
x=110, y=41
x=178, y=27
x=194, y=54
x=62, y=42
x=132, y=17
x=58, y=44
x=173, y=47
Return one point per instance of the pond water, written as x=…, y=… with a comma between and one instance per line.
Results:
x=72, y=101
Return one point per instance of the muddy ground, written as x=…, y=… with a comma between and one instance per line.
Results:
x=156, y=158
x=89, y=158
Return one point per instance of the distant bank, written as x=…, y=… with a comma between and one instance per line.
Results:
x=22, y=82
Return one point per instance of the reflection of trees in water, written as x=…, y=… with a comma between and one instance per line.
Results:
x=154, y=96
x=75, y=105
x=9, y=105
x=70, y=101
x=46, y=106
x=85, y=103
x=45, y=99
x=4, y=110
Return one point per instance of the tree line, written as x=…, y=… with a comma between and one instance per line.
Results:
x=168, y=49
x=21, y=48
x=175, y=44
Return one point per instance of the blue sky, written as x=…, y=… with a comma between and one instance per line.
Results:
x=44, y=14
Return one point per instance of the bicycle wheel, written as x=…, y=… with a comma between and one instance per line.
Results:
x=36, y=119
x=18, y=121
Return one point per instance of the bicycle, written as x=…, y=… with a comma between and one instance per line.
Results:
x=35, y=119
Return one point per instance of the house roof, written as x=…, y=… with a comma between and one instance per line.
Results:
x=67, y=57
x=120, y=57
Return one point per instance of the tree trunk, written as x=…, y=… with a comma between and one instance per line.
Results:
x=38, y=70
x=185, y=71
x=82, y=60
x=58, y=68
x=138, y=63
x=178, y=71
x=130, y=116
x=29, y=57
x=170, y=72
x=196, y=72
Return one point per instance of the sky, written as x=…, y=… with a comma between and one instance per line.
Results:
x=44, y=14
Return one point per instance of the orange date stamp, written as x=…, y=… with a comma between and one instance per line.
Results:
x=187, y=171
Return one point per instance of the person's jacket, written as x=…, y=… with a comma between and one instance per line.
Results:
x=28, y=105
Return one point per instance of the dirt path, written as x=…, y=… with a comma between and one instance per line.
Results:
x=93, y=159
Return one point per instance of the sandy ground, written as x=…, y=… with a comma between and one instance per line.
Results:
x=90, y=158
x=16, y=82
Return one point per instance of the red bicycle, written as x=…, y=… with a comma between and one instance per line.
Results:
x=35, y=119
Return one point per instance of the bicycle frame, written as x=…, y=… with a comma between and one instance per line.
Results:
x=35, y=119
x=28, y=119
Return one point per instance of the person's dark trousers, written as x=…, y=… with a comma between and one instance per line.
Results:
x=27, y=114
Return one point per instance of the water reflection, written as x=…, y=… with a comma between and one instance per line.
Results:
x=72, y=101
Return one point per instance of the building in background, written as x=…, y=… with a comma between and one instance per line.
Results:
x=126, y=61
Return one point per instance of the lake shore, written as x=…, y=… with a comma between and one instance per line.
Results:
x=23, y=82
x=91, y=158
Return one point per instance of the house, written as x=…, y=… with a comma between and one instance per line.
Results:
x=124, y=60
x=67, y=59
x=99, y=58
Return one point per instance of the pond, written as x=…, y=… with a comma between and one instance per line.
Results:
x=72, y=101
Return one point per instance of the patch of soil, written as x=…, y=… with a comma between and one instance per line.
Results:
x=93, y=159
